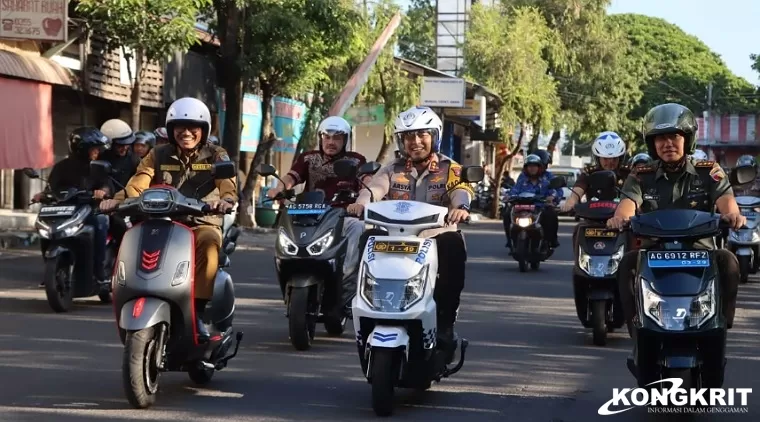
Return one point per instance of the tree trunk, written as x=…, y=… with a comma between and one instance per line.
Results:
x=229, y=74
x=136, y=100
x=506, y=166
x=385, y=149
x=265, y=144
x=553, y=142
x=533, y=144
x=308, y=133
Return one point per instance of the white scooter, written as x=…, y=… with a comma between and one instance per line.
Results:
x=394, y=311
x=745, y=243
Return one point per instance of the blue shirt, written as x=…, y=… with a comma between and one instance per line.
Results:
x=541, y=188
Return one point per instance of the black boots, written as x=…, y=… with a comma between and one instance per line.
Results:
x=200, y=309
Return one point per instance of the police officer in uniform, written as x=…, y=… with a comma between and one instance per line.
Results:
x=674, y=181
x=424, y=175
x=186, y=163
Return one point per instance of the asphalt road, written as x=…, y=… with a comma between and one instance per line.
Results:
x=529, y=358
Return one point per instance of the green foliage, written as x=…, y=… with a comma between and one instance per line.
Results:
x=504, y=51
x=156, y=28
x=417, y=39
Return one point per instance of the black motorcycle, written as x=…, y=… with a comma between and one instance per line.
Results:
x=680, y=331
x=528, y=244
x=309, y=256
x=67, y=244
x=598, y=254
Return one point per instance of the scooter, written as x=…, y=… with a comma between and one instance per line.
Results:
x=597, y=300
x=153, y=291
x=67, y=247
x=529, y=245
x=680, y=330
x=394, y=311
x=745, y=243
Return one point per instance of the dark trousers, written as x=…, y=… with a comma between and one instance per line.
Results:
x=549, y=221
x=100, y=223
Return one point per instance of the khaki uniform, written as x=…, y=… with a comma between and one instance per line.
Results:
x=400, y=180
x=190, y=174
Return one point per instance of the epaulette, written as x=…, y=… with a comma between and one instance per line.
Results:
x=704, y=164
x=590, y=168
x=645, y=168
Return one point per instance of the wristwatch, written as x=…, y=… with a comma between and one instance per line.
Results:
x=464, y=207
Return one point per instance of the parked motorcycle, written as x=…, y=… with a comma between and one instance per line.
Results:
x=745, y=243
x=681, y=330
x=529, y=246
x=599, y=252
x=154, y=294
x=67, y=247
x=394, y=310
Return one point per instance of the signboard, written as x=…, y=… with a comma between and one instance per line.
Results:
x=251, y=131
x=289, y=119
x=443, y=92
x=367, y=116
x=471, y=110
x=43, y=20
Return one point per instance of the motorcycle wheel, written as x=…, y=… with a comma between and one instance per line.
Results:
x=535, y=265
x=58, y=281
x=199, y=375
x=744, y=267
x=756, y=260
x=301, y=322
x=599, y=322
x=383, y=381
x=139, y=368
x=685, y=374
x=334, y=326
x=521, y=252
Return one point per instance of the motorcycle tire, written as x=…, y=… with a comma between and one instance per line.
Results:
x=335, y=326
x=744, y=268
x=301, y=322
x=383, y=381
x=139, y=369
x=599, y=321
x=58, y=283
x=200, y=375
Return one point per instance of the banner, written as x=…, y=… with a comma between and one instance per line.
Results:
x=252, y=120
x=367, y=116
x=289, y=117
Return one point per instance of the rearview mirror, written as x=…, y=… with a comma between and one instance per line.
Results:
x=472, y=174
x=602, y=179
x=742, y=174
x=224, y=170
x=369, y=168
x=100, y=168
x=266, y=170
x=31, y=173
x=345, y=169
x=557, y=182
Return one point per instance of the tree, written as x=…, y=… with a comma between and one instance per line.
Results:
x=145, y=30
x=417, y=39
x=278, y=59
x=755, y=62
x=504, y=51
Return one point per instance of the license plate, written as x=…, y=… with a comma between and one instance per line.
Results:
x=60, y=210
x=307, y=208
x=678, y=259
x=524, y=207
x=396, y=247
x=600, y=233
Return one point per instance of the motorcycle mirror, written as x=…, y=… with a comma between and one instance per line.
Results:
x=557, y=182
x=224, y=170
x=369, y=168
x=602, y=179
x=266, y=170
x=473, y=174
x=742, y=174
x=345, y=169
x=31, y=173
x=101, y=168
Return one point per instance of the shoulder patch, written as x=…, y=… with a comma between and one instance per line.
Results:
x=704, y=164
x=457, y=170
x=589, y=168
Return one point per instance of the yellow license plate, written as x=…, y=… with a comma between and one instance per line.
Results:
x=396, y=247
x=601, y=233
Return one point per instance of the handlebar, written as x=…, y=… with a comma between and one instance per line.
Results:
x=722, y=224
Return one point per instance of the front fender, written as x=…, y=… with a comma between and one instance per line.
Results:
x=154, y=311
x=303, y=280
x=389, y=337
x=55, y=252
x=600, y=294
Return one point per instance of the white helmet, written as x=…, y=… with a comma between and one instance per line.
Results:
x=699, y=155
x=608, y=145
x=118, y=131
x=188, y=110
x=414, y=119
x=335, y=125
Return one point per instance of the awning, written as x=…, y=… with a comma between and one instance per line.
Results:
x=34, y=68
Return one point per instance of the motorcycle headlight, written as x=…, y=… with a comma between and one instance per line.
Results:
x=320, y=245
x=391, y=295
x=42, y=229
x=181, y=273
x=287, y=245
x=678, y=313
x=600, y=266
x=524, y=221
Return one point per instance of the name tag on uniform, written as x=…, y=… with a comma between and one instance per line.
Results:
x=201, y=167
x=169, y=167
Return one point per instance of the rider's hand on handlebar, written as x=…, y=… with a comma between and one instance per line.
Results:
x=220, y=206
x=457, y=216
x=38, y=196
x=271, y=193
x=99, y=194
x=617, y=223
x=355, y=209
x=566, y=207
x=735, y=220
x=109, y=204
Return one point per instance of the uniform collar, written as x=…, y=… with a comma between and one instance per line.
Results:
x=199, y=154
x=434, y=166
x=688, y=168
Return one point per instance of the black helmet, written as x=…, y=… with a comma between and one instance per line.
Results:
x=145, y=137
x=640, y=158
x=82, y=139
x=667, y=119
x=545, y=157
x=533, y=159
x=746, y=160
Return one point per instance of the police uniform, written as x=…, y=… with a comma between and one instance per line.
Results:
x=401, y=180
x=165, y=165
x=697, y=187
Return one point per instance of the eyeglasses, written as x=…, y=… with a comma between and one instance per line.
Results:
x=410, y=136
x=192, y=129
